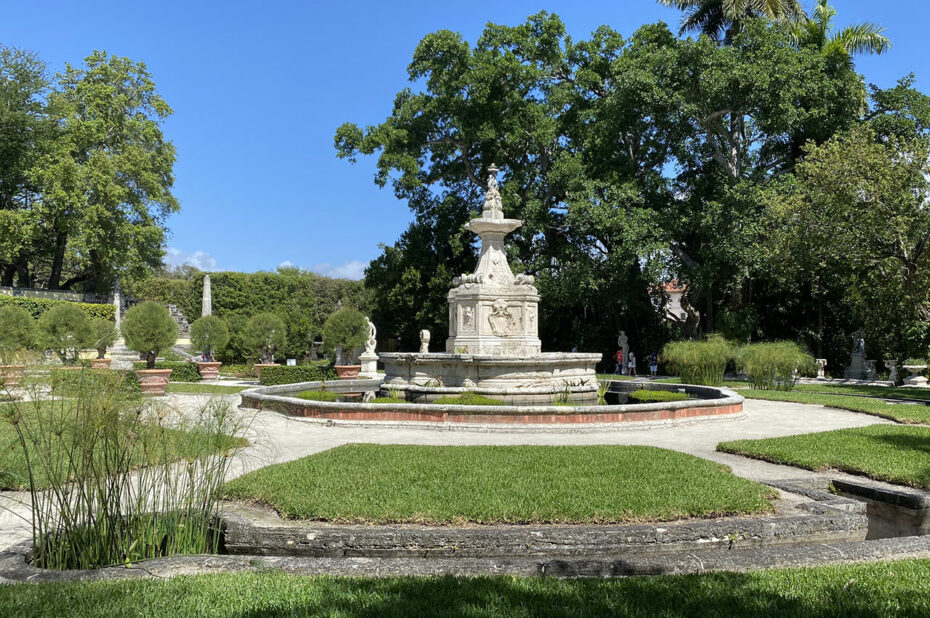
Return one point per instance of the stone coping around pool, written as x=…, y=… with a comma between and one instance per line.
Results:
x=258, y=530
x=726, y=404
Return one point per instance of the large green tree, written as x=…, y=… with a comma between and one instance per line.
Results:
x=723, y=19
x=85, y=172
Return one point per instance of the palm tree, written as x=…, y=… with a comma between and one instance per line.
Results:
x=818, y=32
x=721, y=19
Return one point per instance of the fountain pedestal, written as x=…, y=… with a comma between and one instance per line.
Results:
x=493, y=346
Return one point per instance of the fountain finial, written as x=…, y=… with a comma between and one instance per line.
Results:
x=493, y=207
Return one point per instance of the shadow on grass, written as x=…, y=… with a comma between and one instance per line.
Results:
x=866, y=590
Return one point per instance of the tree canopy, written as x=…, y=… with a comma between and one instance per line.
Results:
x=632, y=161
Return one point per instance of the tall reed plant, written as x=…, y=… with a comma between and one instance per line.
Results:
x=114, y=478
x=776, y=365
x=699, y=362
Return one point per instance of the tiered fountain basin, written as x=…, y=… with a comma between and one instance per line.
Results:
x=538, y=379
x=707, y=403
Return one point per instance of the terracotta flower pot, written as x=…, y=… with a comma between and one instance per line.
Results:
x=258, y=368
x=10, y=375
x=100, y=363
x=209, y=371
x=347, y=372
x=153, y=381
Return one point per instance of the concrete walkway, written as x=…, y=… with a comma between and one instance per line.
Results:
x=276, y=438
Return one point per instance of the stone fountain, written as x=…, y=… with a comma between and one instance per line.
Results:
x=493, y=347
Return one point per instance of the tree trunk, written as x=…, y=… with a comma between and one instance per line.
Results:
x=709, y=309
x=54, y=279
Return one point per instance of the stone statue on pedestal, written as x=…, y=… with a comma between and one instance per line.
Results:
x=369, y=358
x=624, y=344
x=858, y=370
x=424, y=341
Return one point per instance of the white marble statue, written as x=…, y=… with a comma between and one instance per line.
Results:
x=424, y=341
x=372, y=338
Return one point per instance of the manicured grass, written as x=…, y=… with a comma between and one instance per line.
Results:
x=318, y=395
x=389, y=400
x=209, y=389
x=893, y=453
x=901, y=412
x=487, y=484
x=649, y=396
x=877, y=589
x=872, y=391
x=469, y=399
x=14, y=473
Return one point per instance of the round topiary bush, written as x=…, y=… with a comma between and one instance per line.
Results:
x=66, y=330
x=264, y=335
x=209, y=334
x=346, y=329
x=105, y=335
x=149, y=329
x=17, y=332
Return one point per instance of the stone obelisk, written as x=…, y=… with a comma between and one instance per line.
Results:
x=122, y=357
x=207, y=304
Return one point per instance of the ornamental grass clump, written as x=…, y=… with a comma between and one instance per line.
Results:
x=776, y=365
x=699, y=362
x=114, y=478
x=66, y=330
x=149, y=329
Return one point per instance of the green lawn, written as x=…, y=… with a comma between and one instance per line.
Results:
x=873, y=391
x=210, y=389
x=901, y=412
x=899, y=589
x=14, y=473
x=893, y=453
x=487, y=484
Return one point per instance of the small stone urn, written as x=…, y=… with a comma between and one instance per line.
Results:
x=916, y=378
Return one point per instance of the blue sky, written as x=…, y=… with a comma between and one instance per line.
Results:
x=259, y=88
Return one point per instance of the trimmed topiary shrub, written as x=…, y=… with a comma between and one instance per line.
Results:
x=104, y=335
x=149, y=329
x=346, y=329
x=209, y=334
x=17, y=332
x=273, y=376
x=66, y=330
x=181, y=371
x=699, y=362
x=775, y=366
x=264, y=335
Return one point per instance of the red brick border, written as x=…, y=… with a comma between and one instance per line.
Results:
x=543, y=418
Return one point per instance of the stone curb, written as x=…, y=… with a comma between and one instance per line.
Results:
x=14, y=568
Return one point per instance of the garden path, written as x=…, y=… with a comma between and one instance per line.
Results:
x=276, y=438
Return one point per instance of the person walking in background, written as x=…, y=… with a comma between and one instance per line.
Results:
x=632, y=364
x=619, y=358
x=653, y=364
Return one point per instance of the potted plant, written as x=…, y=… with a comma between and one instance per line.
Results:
x=17, y=332
x=104, y=336
x=346, y=330
x=208, y=334
x=263, y=335
x=148, y=329
x=66, y=330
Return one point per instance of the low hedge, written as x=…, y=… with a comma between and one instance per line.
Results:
x=72, y=382
x=38, y=306
x=649, y=396
x=180, y=371
x=273, y=376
